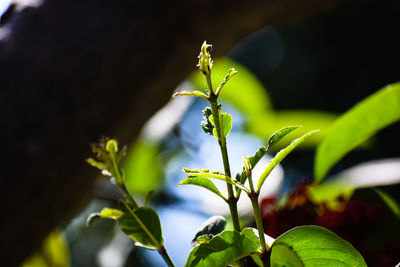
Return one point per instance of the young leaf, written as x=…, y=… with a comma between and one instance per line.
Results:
x=280, y=156
x=112, y=146
x=106, y=213
x=109, y=213
x=242, y=177
x=205, y=123
x=225, y=248
x=277, y=136
x=215, y=175
x=203, y=182
x=226, y=124
x=213, y=226
x=97, y=164
x=357, y=125
x=232, y=72
x=194, y=93
x=142, y=225
x=313, y=246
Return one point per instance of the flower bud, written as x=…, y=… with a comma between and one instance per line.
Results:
x=205, y=61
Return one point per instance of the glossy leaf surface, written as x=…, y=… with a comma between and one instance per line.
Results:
x=213, y=226
x=313, y=246
x=357, y=125
x=225, y=248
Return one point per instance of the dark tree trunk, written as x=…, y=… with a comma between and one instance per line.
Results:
x=71, y=71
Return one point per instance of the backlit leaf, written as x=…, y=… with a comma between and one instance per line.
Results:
x=357, y=125
x=280, y=156
x=215, y=175
x=106, y=213
x=203, y=182
x=266, y=123
x=226, y=124
x=313, y=246
x=276, y=137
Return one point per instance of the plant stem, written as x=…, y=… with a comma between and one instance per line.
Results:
x=119, y=181
x=257, y=215
x=164, y=254
x=224, y=152
x=128, y=196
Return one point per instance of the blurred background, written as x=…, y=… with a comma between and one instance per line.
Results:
x=305, y=72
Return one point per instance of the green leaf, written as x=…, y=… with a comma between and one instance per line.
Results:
x=213, y=226
x=242, y=177
x=313, y=246
x=205, y=123
x=277, y=136
x=266, y=123
x=215, y=175
x=357, y=125
x=142, y=225
x=97, y=164
x=203, y=182
x=109, y=213
x=226, y=124
x=280, y=156
x=106, y=213
x=232, y=72
x=225, y=248
x=194, y=93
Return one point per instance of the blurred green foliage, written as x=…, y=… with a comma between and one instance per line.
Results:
x=53, y=253
x=142, y=167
